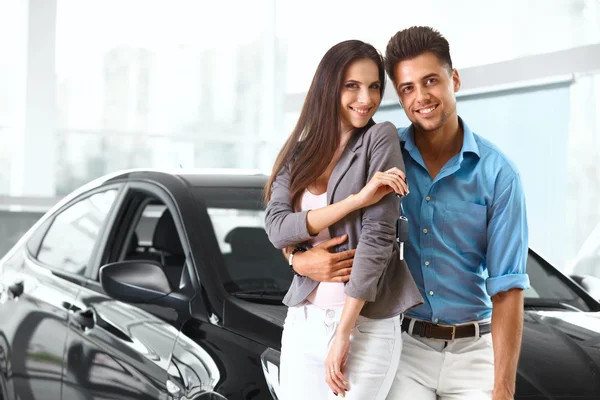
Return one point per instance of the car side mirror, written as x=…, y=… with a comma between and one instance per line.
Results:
x=141, y=282
x=591, y=284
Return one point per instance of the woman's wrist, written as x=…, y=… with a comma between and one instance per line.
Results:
x=344, y=329
x=353, y=202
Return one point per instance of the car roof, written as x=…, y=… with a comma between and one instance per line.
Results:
x=196, y=177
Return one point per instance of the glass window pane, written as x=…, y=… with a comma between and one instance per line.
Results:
x=479, y=33
x=189, y=94
x=69, y=243
x=13, y=47
x=251, y=261
x=548, y=287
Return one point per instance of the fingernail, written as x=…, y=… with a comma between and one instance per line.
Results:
x=335, y=393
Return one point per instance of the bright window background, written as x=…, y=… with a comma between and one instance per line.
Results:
x=480, y=32
x=149, y=83
x=13, y=22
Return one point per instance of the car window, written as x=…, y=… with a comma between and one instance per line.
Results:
x=251, y=261
x=69, y=242
x=548, y=289
x=146, y=225
x=155, y=238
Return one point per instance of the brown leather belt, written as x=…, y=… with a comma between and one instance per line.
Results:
x=446, y=333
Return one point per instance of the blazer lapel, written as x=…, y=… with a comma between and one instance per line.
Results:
x=343, y=164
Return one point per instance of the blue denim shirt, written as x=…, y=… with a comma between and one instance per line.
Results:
x=468, y=230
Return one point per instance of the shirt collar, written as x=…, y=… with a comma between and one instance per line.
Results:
x=469, y=143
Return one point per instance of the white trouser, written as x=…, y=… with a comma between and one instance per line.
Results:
x=433, y=370
x=375, y=347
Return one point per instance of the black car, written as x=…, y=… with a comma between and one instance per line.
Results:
x=158, y=285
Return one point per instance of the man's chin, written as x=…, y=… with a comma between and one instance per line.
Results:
x=429, y=126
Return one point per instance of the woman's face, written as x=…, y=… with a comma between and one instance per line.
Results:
x=361, y=94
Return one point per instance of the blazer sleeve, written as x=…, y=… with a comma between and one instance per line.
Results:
x=284, y=226
x=378, y=233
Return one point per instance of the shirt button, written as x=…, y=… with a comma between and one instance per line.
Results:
x=436, y=320
x=427, y=263
x=431, y=292
x=425, y=231
x=427, y=198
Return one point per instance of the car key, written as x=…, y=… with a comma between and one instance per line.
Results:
x=401, y=234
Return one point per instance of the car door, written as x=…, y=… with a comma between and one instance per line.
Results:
x=41, y=279
x=117, y=350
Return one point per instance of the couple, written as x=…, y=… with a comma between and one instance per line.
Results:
x=363, y=323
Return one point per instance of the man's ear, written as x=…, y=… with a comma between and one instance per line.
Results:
x=456, y=80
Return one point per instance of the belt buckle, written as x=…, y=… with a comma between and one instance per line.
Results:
x=453, y=333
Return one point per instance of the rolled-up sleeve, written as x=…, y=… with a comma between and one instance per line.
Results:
x=507, y=237
x=378, y=233
x=284, y=226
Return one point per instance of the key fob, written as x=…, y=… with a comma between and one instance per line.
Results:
x=401, y=235
x=402, y=230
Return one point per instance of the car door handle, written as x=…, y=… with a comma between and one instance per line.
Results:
x=16, y=289
x=84, y=318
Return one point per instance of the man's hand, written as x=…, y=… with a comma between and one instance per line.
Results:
x=320, y=265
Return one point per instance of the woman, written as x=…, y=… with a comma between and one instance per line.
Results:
x=329, y=180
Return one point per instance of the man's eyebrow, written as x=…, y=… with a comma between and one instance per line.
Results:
x=433, y=74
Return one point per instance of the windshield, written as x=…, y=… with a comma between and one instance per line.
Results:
x=549, y=290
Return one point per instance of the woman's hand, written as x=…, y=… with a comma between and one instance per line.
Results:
x=338, y=353
x=383, y=183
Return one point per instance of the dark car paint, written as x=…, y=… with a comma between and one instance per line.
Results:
x=107, y=349
x=560, y=354
x=123, y=353
x=244, y=378
x=34, y=326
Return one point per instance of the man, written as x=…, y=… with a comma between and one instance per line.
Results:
x=467, y=246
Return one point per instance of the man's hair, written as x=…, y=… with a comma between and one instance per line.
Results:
x=412, y=42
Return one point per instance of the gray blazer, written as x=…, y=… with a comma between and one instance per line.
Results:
x=378, y=276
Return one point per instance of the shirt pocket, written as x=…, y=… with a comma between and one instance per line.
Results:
x=465, y=227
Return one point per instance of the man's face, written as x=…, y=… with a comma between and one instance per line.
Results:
x=426, y=90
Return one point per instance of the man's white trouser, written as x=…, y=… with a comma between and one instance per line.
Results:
x=432, y=370
x=375, y=347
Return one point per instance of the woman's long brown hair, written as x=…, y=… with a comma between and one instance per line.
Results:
x=316, y=137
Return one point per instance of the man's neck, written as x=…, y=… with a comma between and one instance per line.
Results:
x=441, y=144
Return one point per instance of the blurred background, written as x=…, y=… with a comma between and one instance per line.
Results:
x=91, y=87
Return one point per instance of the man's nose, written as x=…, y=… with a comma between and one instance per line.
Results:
x=423, y=94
